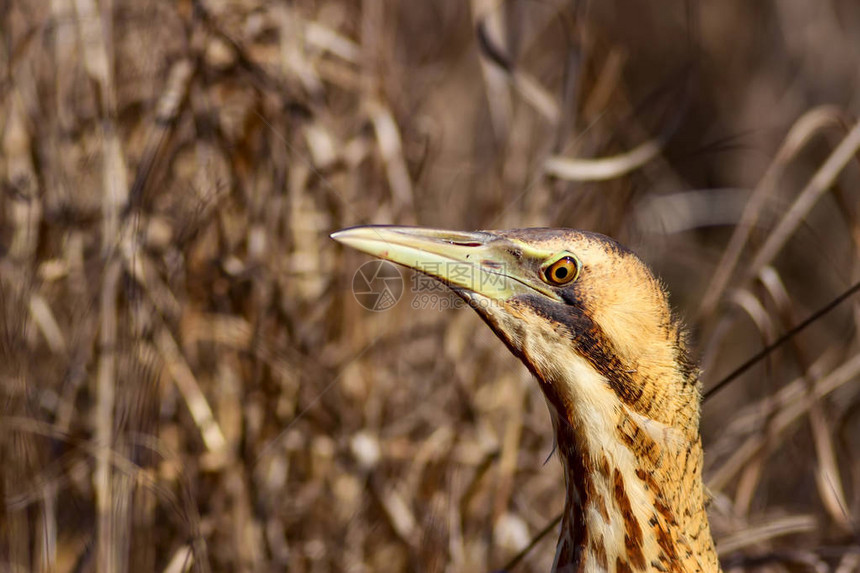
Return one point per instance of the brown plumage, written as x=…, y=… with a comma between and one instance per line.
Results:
x=594, y=326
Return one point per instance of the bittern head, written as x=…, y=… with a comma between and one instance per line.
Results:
x=594, y=326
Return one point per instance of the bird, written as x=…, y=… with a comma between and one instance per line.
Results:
x=594, y=326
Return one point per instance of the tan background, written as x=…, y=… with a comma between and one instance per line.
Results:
x=185, y=378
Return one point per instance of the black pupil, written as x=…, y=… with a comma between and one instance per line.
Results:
x=560, y=273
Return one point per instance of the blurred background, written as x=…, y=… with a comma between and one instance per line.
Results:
x=187, y=382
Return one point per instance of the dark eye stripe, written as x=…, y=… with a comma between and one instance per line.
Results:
x=592, y=343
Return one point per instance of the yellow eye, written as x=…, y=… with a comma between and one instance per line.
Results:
x=562, y=271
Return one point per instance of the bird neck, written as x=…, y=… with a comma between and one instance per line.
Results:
x=635, y=498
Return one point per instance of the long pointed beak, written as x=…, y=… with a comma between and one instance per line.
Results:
x=475, y=262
